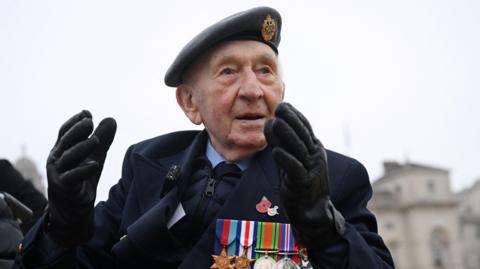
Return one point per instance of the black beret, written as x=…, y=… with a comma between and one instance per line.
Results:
x=262, y=24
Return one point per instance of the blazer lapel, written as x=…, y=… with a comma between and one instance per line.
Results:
x=196, y=149
x=148, y=182
x=150, y=174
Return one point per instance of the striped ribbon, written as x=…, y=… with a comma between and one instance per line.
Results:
x=226, y=231
x=286, y=242
x=246, y=236
x=267, y=237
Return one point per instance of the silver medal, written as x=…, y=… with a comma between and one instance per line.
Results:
x=286, y=263
x=265, y=262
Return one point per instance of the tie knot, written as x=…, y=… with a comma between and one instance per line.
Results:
x=224, y=168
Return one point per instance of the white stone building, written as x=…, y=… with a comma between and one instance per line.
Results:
x=418, y=216
x=469, y=206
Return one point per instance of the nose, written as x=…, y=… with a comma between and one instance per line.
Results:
x=250, y=87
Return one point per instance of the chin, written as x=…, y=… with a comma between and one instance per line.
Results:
x=254, y=143
x=242, y=146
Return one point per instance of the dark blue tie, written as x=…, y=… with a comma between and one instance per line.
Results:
x=226, y=175
x=206, y=194
x=216, y=189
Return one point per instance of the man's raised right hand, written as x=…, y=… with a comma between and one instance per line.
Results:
x=73, y=170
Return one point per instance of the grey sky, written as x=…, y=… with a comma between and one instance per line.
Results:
x=403, y=77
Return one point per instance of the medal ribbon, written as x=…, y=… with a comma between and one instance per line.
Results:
x=267, y=237
x=246, y=235
x=226, y=229
x=225, y=226
x=286, y=241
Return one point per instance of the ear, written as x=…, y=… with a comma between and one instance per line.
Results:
x=187, y=103
x=283, y=90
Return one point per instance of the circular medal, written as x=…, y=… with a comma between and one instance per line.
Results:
x=286, y=263
x=264, y=262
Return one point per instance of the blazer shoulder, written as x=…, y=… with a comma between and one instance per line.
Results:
x=345, y=173
x=339, y=161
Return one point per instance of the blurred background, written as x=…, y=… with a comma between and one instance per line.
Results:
x=394, y=84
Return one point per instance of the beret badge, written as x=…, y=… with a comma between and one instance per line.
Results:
x=268, y=28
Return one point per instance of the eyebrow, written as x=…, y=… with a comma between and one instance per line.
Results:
x=225, y=58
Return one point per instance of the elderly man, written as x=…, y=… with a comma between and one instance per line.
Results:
x=235, y=195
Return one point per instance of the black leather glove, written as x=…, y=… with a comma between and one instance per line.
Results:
x=73, y=170
x=302, y=162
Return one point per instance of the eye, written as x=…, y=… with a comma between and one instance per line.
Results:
x=226, y=71
x=265, y=70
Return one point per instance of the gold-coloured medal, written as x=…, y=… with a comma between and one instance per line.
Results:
x=243, y=262
x=222, y=261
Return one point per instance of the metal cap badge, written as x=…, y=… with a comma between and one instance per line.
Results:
x=268, y=28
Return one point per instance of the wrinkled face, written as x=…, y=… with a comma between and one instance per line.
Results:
x=235, y=88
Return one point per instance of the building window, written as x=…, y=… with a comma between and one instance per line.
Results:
x=398, y=188
x=468, y=209
x=439, y=248
x=389, y=225
x=431, y=185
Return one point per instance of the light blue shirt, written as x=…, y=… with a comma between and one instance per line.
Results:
x=215, y=158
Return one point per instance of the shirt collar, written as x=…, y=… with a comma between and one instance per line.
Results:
x=215, y=158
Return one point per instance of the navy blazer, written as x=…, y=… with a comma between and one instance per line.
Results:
x=131, y=226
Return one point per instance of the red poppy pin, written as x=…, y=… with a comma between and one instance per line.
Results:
x=265, y=206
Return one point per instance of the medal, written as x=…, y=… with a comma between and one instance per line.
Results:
x=239, y=242
x=246, y=237
x=226, y=230
x=267, y=238
x=222, y=261
x=267, y=242
x=286, y=263
x=304, y=263
x=286, y=242
x=286, y=246
x=265, y=262
x=242, y=262
x=226, y=234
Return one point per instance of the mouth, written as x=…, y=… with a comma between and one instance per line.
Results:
x=250, y=117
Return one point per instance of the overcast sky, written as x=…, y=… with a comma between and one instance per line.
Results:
x=379, y=80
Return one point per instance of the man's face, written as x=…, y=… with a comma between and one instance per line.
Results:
x=236, y=87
